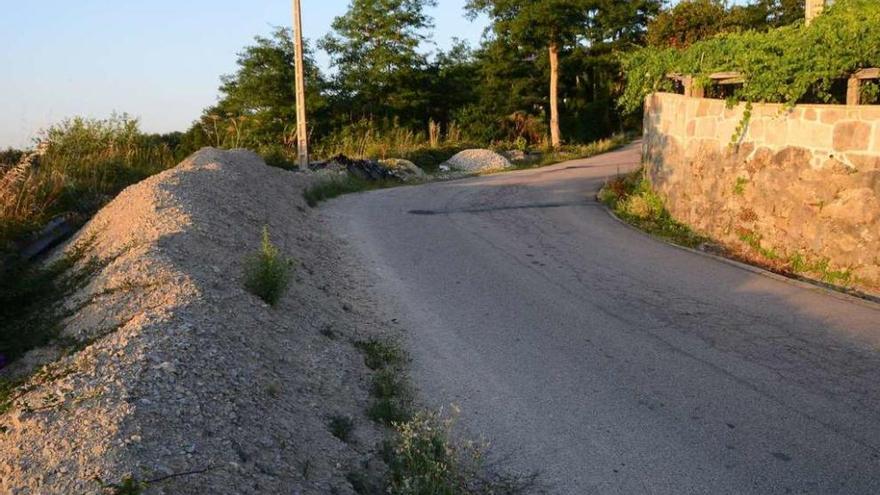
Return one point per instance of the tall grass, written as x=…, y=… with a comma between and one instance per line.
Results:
x=85, y=163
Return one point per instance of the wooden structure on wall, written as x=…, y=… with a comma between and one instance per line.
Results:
x=691, y=88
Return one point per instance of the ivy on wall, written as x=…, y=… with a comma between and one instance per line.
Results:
x=785, y=65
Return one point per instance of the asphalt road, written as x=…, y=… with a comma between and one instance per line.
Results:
x=609, y=361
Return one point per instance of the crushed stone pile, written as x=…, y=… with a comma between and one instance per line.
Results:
x=476, y=160
x=177, y=375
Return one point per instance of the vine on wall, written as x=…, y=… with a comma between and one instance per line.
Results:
x=785, y=65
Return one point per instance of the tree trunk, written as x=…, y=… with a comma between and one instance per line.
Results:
x=555, y=138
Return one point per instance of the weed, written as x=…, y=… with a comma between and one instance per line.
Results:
x=267, y=273
x=390, y=411
x=379, y=353
x=569, y=152
x=31, y=297
x=341, y=427
x=128, y=486
x=740, y=187
x=85, y=163
x=346, y=184
x=327, y=331
x=633, y=199
x=753, y=240
x=423, y=458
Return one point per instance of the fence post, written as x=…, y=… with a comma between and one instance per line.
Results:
x=853, y=91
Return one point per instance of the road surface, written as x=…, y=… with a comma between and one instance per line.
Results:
x=611, y=362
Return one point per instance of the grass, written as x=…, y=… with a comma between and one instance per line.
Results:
x=632, y=199
x=345, y=184
x=267, y=273
x=379, y=354
x=341, y=427
x=424, y=457
x=573, y=152
x=85, y=164
x=32, y=296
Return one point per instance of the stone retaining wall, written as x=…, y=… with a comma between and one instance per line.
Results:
x=800, y=188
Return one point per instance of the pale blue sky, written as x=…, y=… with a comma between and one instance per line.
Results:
x=159, y=60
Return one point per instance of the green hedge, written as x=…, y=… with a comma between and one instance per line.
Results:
x=785, y=65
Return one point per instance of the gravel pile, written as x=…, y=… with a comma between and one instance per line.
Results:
x=179, y=376
x=477, y=160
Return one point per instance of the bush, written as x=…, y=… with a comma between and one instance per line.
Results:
x=267, y=273
x=85, y=164
x=785, y=65
x=633, y=199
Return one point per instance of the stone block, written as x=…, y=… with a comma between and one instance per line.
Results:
x=851, y=135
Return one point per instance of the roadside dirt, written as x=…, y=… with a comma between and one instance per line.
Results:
x=177, y=375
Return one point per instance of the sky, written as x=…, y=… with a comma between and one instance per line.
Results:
x=158, y=60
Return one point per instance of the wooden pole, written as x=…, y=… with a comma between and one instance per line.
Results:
x=302, y=137
x=812, y=8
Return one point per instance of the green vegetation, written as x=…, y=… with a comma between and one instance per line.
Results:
x=574, y=152
x=791, y=64
x=341, y=427
x=85, y=163
x=32, y=297
x=632, y=199
x=739, y=188
x=422, y=455
x=392, y=397
x=267, y=273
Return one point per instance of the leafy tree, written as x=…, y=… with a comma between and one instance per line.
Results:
x=690, y=21
x=536, y=24
x=374, y=47
x=258, y=102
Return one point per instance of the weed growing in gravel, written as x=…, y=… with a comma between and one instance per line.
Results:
x=423, y=458
x=632, y=199
x=31, y=298
x=341, y=427
x=267, y=273
x=379, y=354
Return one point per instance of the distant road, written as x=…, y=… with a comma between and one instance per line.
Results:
x=611, y=362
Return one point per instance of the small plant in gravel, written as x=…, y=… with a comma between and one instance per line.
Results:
x=31, y=298
x=424, y=458
x=341, y=427
x=267, y=273
x=379, y=354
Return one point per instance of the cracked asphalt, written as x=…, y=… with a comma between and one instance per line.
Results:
x=608, y=361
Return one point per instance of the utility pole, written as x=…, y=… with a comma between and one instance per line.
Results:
x=302, y=136
x=813, y=8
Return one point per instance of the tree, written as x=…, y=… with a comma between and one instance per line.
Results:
x=547, y=24
x=257, y=104
x=374, y=47
x=690, y=21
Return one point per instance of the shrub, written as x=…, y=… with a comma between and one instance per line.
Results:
x=267, y=273
x=85, y=163
x=785, y=65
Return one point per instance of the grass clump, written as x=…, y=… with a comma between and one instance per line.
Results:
x=32, y=296
x=570, y=152
x=345, y=184
x=424, y=458
x=632, y=199
x=84, y=164
x=392, y=397
x=341, y=427
x=379, y=354
x=267, y=273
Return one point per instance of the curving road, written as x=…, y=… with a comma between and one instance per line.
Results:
x=611, y=362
